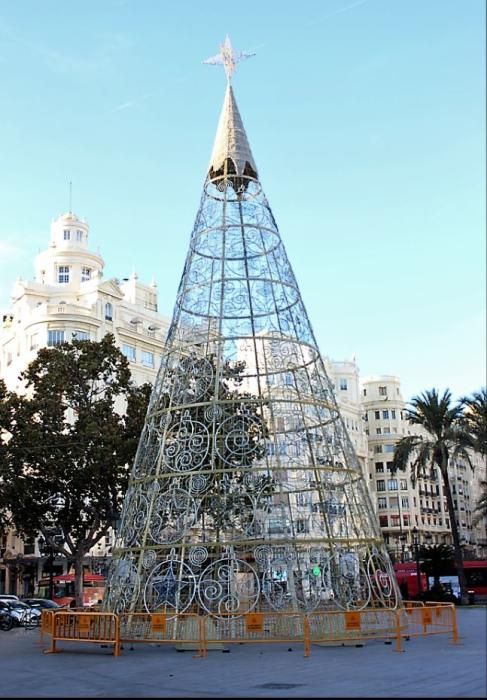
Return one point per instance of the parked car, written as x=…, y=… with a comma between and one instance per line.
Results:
x=42, y=603
x=8, y=596
x=23, y=615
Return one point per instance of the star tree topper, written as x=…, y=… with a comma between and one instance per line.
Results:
x=228, y=57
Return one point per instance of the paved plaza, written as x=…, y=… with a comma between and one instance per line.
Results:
x=428, y=667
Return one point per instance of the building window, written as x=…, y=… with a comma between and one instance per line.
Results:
x=29, y=546
x=394, y=502
x=377, y=448
x=404, y=485
x=379, y=467
x=365, y=392
x=383, y=520
x=129, y=352
x=393, y=414
x=55, y=338
x=85, y=274
x=108, y=312
x=392, y=484
x=79, y=235
x=387, y=431
x=388, y=448
x=377, y=415
x=147, y=358
x=34, y=341
x=66, y=234
x=343, y=384
x=395, y=521
x=405, y=501
x=381, y=485
x=382, y=502
x=382, y=391
x=81, y=335
x=385, y=414
x=63, y=274
x=378, y=431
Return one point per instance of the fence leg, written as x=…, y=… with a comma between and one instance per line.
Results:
x=398, y=646
x=202, y=651
x=117, y=645
x=52, y=649
x=307, y=643
x=455, y=639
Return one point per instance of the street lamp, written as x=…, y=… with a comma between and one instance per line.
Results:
x=402, y=539
x=416, y=542
x=415, y=535
x=46, y=549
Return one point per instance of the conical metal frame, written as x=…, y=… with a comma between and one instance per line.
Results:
x=246, y=493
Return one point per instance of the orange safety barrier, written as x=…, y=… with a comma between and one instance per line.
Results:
x=159, y=628
x=352, y=625
x=97, y=627
x=190, y=630
x=258, y=628
x=429, y=619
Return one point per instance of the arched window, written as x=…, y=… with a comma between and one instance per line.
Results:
x=108, y=311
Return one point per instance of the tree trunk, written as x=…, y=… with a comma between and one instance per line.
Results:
x=78, y=580
x=458, y=554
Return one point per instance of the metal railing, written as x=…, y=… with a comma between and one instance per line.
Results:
x=202, y=632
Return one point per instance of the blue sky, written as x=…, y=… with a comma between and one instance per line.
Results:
x=367, y=122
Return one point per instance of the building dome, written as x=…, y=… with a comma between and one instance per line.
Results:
x=68, y=231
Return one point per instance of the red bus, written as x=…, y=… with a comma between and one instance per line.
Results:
x=407, y=579
x=93, y=589
x=475, y=575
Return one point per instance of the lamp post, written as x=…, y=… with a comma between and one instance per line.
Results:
x=46, y=549
x=402, y=539
x=415, y=535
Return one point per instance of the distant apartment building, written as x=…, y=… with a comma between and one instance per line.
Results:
x=345, y=377
x=401, y=507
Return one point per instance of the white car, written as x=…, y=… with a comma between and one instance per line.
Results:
x=22, y=614
x=8, y=596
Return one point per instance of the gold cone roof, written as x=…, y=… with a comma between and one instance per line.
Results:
x=231, y=141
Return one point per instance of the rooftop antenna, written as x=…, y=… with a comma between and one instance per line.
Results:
x=70, y=197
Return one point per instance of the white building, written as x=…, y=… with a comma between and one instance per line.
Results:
x=346, y=380
x=69, y=298
x=400, y=506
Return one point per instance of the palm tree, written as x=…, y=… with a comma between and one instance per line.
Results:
x=475, y=418
x=443, y=438
x=480, y=509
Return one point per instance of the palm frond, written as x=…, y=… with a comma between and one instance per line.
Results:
x=475, y=418
x=434, y=412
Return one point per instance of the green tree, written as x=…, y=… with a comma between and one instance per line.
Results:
x=437, y=560
x=67, y=446
x=444, y=437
